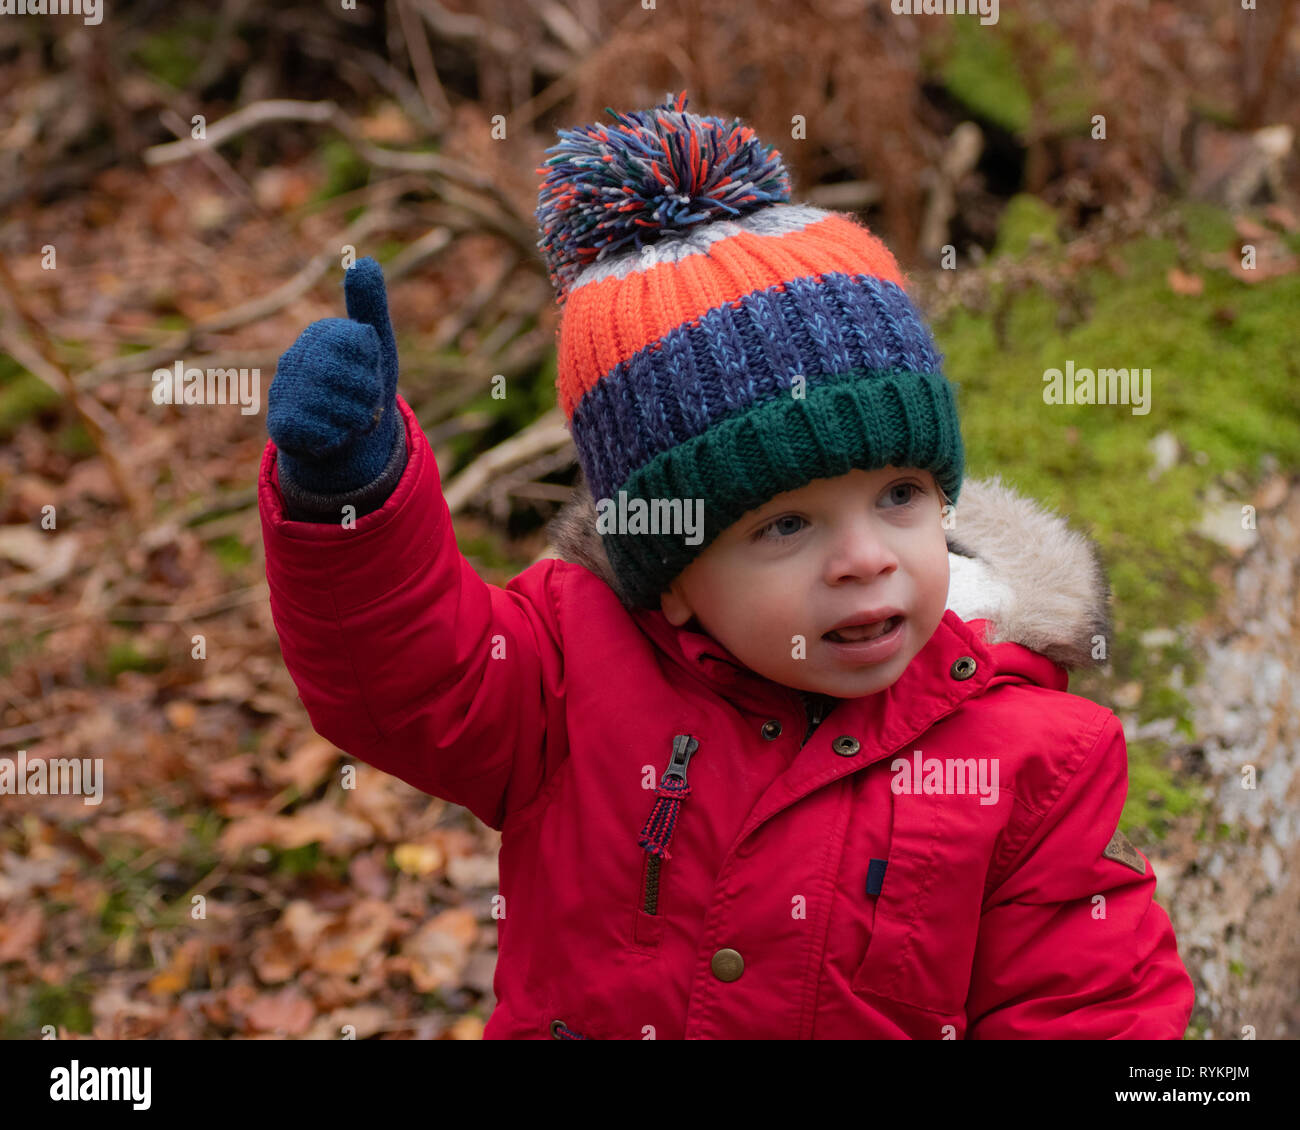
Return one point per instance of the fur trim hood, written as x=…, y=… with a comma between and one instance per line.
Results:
x=1011, y=562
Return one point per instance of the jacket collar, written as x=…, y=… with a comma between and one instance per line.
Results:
x=1027, y=601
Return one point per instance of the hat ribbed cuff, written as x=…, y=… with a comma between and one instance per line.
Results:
x=858, y=419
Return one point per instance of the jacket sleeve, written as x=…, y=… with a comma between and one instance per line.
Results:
x=1072, y=944
x=404, y=657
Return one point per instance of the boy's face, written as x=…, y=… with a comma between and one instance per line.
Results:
x=812, y=558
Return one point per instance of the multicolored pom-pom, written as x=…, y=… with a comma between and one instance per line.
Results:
x=657, y=171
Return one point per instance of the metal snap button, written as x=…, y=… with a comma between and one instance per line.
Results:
x=964, y=668
x=846, y=746
x=772, y=729
x=728, y=965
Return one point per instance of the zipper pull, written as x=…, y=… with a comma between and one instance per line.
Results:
x=684, y=746
x=673, y=789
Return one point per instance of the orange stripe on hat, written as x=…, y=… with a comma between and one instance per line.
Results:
x=607, y=322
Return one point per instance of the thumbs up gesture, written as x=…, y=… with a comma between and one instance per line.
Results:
x=332, y=407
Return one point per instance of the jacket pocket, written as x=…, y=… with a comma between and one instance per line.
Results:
x=656, y=835
x=904, y=961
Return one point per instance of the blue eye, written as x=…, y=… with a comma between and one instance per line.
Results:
x=762, y=534
x=913, y=489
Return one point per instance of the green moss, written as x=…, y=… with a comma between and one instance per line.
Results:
x=172, y=55
x=1224, y=387
x=981, y=72
x=15, y=647
x=298, y=861
x=1223, y=375
x=232, y=553
x=123, y=655
x=344, y=169
x=1154, y=798
x=63, y=1005
x=483, y=551
x=1026, y=220
x=23, y=397
x=74, y=439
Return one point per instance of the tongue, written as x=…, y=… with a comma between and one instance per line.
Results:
x=862, y=632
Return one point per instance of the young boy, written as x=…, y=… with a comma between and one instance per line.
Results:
x=784, y=776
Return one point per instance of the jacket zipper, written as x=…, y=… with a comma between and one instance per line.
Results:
x=814, y=721
x=657, y=833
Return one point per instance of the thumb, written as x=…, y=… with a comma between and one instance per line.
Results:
x=367, y=301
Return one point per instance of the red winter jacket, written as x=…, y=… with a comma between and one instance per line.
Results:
x=804, y=896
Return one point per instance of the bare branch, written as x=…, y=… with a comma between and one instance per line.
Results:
x=547, y=433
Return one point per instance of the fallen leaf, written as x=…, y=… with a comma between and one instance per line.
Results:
x=181, y=713
x=1282, y=216
x=230, y=774
x=369, y=873
x=339, y=832
x=1181, y=282
x=418, y=859
x=465, y=1028
x=473, y=872
x=286, y=1013
x=436, y=954
x=21, y=934
x=307, y=766
x=175, y=978
x=147, y=825
x=364, y=1019
x=1251, y=231
x=119, y=1017
x=232, y=686
x=353, y=938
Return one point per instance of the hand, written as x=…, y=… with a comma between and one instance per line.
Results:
x=332, y=407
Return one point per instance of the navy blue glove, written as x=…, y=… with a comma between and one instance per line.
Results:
x=332, y=407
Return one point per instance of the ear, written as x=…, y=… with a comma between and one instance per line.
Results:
x=674, y=606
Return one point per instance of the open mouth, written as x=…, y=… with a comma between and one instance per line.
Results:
x=859, y=632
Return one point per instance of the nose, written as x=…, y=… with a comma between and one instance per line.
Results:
x=859, y=552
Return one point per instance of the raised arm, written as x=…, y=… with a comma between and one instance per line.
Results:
x=403, y=656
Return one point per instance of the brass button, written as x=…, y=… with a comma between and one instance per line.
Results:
x=964, y=668
x=771, y=729
x=846, y=746
x=728, y=965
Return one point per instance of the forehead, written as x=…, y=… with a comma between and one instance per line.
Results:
x=847, y=485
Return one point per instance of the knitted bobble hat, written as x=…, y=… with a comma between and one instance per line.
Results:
x=717, y=342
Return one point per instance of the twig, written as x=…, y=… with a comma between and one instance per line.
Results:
x=562, y=24
x=467, y=312
x=376, y=192
x=464, y=28
x=546, y=433
x=222, y=168
x=960, y=155
x=318, y=113
x=206, y=509
x=426, y=74
x=269, y=110
x=520, y=481
x=410, y=257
